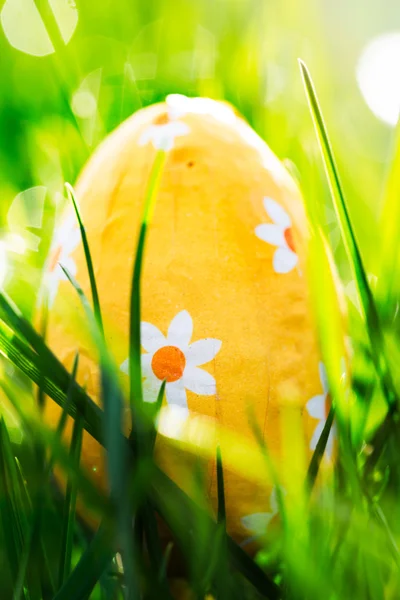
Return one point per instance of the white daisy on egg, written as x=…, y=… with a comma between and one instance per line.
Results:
x=258, y=523
x=163, y=136
x=66, y=239
x=174, y=359
x=280, y=234
x=318, y=408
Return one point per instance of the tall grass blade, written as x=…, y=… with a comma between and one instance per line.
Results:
x=318, y=453
x=221, y=518
x=88, y=258
x=70, y=506
x=164, y=488
x=135, y=368
x=388, y=288
x=365, y=297
x=90, y=567
x=118, y=458
x=12, y=533
x=55, y=381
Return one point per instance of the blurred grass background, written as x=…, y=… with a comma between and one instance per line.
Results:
x=58, y=101
x=55, y=108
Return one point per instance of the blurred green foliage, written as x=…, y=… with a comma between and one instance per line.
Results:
x=128, y=54
x=58, y=101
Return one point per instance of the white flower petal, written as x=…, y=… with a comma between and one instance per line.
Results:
x=202, y=351
x=72, y=240
x=69, y=264
x=330, y=442
x=163, y=136
x=277, y=213
x=180, y=330
x=147, y=135
x=52, y=283
x=257, y=522
x=75, y=241
x=284, y=260
x=273, y=499
x=125, y=366
x=199, y=381
x=316, y=435
x=316, y=407
x=151, y=386
x=272, y=234
x=176, y=394
x=145, y=360
x=177, y=128
x=151, y=337
x=323, y=377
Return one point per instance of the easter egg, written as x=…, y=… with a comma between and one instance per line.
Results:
x=225, y=312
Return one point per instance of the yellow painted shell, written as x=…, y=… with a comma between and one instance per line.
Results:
x=224, y=297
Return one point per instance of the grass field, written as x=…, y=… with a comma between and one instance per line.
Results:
x=70, y=75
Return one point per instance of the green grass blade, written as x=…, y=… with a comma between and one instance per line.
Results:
x=271, y=472
x=221, y=517
x=118, y=463
x=164, y=489
x=135, y=368
x=318, y=453
x=55, y=382
x=365, y=297
x=70, y=506
x=90, y=567
x=72, y=384
x=338, y=198
x=49, y=438
x=11, y=530
x=41, y=397
x=178, y=497
x=33, y=541
x=157, y=408
x=88, y=258
x=387, y=289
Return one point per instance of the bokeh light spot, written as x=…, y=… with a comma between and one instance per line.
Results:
x=378, y=77
x=24, y=27
x=84, y=104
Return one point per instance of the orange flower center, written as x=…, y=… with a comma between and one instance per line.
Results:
x=168, y=363
x=55, y=259
x=288, y=234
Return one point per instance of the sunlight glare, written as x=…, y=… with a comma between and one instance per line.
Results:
x=378, y=77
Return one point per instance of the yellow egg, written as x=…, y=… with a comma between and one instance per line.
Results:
x=225, y=316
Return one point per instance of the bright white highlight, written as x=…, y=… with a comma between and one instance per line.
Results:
x=378, y=77
x=180, y=105
x=25, y=29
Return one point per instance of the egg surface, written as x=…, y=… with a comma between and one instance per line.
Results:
x=225, y=313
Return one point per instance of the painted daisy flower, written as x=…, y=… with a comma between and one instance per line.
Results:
x=258, y=523
x=174, y=359
x=280, y=234
x=318, y=408
x=163, y=136
x=67, y=239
